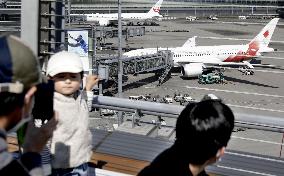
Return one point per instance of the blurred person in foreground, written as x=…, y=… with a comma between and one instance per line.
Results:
x=71, y=143
x=19, y=76
x=203, y=130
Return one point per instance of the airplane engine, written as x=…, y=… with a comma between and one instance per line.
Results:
x=192, y=70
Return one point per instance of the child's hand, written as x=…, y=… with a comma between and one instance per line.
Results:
x=91, y=80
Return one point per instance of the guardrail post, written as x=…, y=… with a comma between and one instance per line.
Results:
x=135, y=121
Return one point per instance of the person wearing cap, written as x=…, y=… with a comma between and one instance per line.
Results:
x=203, y=130
x=19, y=75
x=71, y=142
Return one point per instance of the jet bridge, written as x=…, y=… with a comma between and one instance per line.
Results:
x=160, y=63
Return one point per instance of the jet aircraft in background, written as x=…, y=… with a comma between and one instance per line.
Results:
x=194, y=59
x=106, y=19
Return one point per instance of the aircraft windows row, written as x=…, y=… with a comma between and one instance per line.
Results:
x=232, y=53
x=180, y=55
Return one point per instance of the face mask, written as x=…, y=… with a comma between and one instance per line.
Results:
x=25, y=118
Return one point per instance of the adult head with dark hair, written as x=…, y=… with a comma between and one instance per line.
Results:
x=19, y=75
x=203, y=130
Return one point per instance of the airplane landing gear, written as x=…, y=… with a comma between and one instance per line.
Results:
x=246, y=70
x=249, y=72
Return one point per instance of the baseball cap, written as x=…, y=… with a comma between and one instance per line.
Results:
x=64, y=62
x=19, y=68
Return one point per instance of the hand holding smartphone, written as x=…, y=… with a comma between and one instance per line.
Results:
x=43, y=107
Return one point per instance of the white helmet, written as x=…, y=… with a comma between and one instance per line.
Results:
x=62, y=62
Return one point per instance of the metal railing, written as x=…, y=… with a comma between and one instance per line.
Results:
x=267, y=123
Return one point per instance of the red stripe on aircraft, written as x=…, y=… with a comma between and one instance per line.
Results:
x=251, y=52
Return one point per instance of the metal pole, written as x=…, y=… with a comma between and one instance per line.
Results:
x=69, y=12
x=120, y=66
x=94, y=65
x=30, y=31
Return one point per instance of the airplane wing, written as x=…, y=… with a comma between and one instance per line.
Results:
x=190, y=42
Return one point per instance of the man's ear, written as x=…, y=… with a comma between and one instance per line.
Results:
x=220, y=152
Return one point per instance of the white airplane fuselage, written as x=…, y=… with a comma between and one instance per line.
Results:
x=193, y=59
x=124, y=16
x=201, y=54
x=106, y=19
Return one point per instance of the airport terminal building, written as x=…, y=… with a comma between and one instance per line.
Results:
x=181, y=7
x=244, y=2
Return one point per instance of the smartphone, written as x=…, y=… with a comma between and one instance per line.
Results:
x=43, y=106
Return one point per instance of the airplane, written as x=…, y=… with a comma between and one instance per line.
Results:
x=106, y=19
x=195, y=59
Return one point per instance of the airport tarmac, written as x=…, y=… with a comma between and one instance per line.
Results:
x=260, y=94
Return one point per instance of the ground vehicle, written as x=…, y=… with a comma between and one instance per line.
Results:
x=178, y=97
x=212, y=17
x=135, y=97
x=242, y=17
x=147, y=97
x=186, y=99
x=211, y=78
x=246, y=71
x=191, y=18
x=168, y=99
x=107, y=112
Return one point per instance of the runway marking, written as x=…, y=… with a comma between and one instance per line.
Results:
x=269, y=57
x=255, y=70
x=268, y=71
x=225, y=38
x=237, y=92
x=257, y=140
x=268, y=65
x=243, y=170
x=255, y=157
x=255, y=108
x=238, y=39
x=150, y=87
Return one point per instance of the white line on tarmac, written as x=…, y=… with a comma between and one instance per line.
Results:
x=246, y=171
x=238, y=39
x=268, y=65
x=257, y=140
x=225, y=38
x=255, y=108
x=268, y=71
x=237, y=92
x=255, y=157
x=269, y=57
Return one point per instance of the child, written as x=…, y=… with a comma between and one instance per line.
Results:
x=71, y=141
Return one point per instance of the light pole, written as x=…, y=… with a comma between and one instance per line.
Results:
x=69, y=12
x=120, y=66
